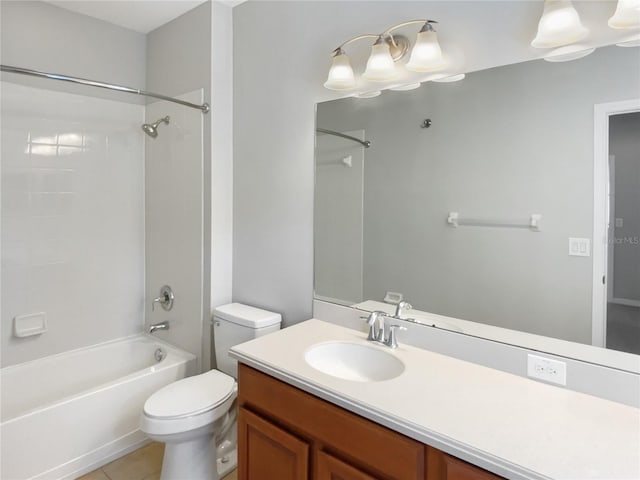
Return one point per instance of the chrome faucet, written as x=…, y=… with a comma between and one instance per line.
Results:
x=375, y=320
x=165, y=299
x=399, y=307
x=158, y=326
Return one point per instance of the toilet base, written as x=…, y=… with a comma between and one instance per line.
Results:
x=225, y=467
x=192, y=460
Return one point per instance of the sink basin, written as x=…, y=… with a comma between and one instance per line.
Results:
x=354, y=361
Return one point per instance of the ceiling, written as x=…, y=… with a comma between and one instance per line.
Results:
x=140, y=15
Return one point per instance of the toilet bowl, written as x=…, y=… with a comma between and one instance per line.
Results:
x=188, y=416
x=196, y=417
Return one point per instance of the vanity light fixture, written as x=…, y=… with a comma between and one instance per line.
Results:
x=568, y=53
x=450, y=78
x=387, y=50
x=633, y=41
x=559, y=25
x=627, y=15
x=404, y=88
x=373, y=94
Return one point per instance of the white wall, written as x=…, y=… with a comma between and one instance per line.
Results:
x=72, y=219
x=72, y=215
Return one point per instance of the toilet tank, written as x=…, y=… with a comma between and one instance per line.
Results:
x=236, y=323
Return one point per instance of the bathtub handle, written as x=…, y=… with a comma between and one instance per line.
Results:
x=165, y=299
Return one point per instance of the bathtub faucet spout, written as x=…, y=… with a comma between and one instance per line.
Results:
x=158, y=326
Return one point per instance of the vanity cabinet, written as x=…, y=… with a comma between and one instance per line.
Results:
x=287, y=434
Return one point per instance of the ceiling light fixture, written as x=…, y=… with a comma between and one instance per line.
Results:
x=559, y=25
x=627, y=15
x=387, y=50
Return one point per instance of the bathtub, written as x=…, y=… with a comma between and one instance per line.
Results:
x=70, y=413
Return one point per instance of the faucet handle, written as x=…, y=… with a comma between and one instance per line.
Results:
x=371, y=321
x=165, y=299
x=392, y=341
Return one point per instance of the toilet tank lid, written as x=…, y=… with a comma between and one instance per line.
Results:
x=247, y=316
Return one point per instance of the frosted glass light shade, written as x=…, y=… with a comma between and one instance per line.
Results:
x=568, y=53
x=340, y=74
x=559, y=25
x=380, y=66
x=426, y=55
x=627, y=15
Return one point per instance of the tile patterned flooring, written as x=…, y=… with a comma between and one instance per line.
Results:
x=142, y=464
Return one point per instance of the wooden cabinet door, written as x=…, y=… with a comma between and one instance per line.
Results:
x=266, y=452
x=330, y=468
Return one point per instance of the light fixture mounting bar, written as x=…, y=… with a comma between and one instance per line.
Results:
x=404, y=24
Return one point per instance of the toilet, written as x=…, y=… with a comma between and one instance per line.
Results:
x=196, y=417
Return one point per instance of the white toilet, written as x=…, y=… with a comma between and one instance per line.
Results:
x=196, y=416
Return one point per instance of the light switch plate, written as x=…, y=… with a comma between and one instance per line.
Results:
x=579, y=247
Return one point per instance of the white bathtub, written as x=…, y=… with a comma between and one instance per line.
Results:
x=67, y=414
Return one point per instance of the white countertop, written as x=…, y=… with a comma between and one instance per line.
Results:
x=512, y=426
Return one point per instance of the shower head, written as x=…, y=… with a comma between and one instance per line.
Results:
x=151, y=129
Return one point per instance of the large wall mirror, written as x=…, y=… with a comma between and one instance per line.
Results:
x=477, y=201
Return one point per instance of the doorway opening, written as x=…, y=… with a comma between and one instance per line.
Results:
x=616, y=253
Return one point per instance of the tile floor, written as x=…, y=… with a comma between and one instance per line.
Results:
x=142, y=464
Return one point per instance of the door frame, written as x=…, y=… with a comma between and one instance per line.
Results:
x=602, y=112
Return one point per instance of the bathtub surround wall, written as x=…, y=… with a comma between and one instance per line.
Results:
x=173, y=220
x=72, y=219
x=188, y=53
x=178, y=61
x=72, y=202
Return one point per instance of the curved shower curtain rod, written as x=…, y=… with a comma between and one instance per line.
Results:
x=204, y=108
x=364, y=143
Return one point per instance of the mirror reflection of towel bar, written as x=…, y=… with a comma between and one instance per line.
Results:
x=454, y=220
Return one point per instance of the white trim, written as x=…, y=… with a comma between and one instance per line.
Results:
x=629, y=302
x=602, y=112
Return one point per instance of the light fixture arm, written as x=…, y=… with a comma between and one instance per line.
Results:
x=404, y=24
x=351, y=40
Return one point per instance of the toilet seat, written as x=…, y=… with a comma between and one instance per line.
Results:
x=189, y=404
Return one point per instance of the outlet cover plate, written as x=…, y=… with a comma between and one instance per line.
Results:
x=546, y=369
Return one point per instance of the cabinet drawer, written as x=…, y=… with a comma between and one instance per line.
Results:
x=357, y=440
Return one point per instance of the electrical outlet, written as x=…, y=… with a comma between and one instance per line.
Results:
x=546, y=369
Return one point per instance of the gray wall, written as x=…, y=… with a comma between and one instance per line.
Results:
x=505, y=143
x=624, y=143
x=42, y=37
